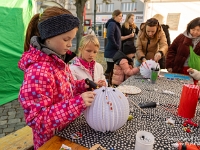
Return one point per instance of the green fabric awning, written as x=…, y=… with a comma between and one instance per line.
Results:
x=14, y=18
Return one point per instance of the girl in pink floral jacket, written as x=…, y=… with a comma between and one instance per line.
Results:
x=49, y=95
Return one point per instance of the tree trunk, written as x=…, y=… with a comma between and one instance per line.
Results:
x=80, y=4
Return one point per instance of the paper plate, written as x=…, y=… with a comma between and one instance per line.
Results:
x=128, y=89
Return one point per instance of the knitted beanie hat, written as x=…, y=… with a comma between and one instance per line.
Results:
x=57, y=25
x=129, y=48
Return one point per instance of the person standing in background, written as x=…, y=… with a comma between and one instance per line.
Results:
x=184, y=49
x=151, y=42
x=90, y=31
x=129, y=30
x=113, y=42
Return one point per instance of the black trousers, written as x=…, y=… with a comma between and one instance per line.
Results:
x=110, y=66
x=109, y=72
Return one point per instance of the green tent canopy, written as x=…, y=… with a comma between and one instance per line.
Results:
x=14, y=18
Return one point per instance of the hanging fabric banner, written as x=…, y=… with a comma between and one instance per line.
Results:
x=14, y=18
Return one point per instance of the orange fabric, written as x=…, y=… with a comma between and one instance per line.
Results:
x=188, y=101
x=192, y=147
x=189, y=146
x=84, y=12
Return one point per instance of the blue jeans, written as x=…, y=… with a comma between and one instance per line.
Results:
x=137, y=63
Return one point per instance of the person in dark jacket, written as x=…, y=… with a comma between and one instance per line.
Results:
x=185, y=44
x=129, y=30
x=113, y=41
x=166, y=30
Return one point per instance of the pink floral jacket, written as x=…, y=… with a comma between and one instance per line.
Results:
x=49, y=95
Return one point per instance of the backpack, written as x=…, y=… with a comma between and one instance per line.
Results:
x=166, y=30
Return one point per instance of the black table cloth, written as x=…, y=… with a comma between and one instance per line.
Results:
x=154, y=121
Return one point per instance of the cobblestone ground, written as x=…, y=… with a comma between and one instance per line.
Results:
x=12, y=116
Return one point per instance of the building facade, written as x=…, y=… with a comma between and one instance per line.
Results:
x=104, y=11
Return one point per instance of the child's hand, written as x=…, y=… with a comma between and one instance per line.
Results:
x=169, y=70
x=190, y=70
x=198, y=83
x=88, y=97
x=144, y=59
x=131, y=35
x=101, y=83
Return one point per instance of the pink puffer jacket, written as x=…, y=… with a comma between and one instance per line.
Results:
x=122, y=71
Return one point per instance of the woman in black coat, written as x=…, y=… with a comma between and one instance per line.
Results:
x=129, y=30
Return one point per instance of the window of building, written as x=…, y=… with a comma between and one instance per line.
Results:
x=71, y=5
x=87, y=4
x=109, y=7
x=71, y=2
x=128, y=7
x=99, y=7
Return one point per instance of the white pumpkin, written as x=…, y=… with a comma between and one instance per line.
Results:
x=109, y=111
x=145, y=68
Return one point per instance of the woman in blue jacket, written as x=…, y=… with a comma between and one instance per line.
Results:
x=113, y=41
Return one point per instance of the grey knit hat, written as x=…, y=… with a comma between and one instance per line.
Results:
x=57, y=25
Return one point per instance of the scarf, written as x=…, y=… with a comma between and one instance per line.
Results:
x=88, y=66
x=195, y=41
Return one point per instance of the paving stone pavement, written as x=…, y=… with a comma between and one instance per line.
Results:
x=11, y=118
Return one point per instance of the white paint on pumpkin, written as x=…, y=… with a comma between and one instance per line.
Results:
x=101, y=117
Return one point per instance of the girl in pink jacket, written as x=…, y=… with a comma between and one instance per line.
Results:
x=49, y=95
x=123, y=67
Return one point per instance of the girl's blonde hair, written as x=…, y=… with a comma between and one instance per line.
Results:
x=88, y=39
x=126, y=23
